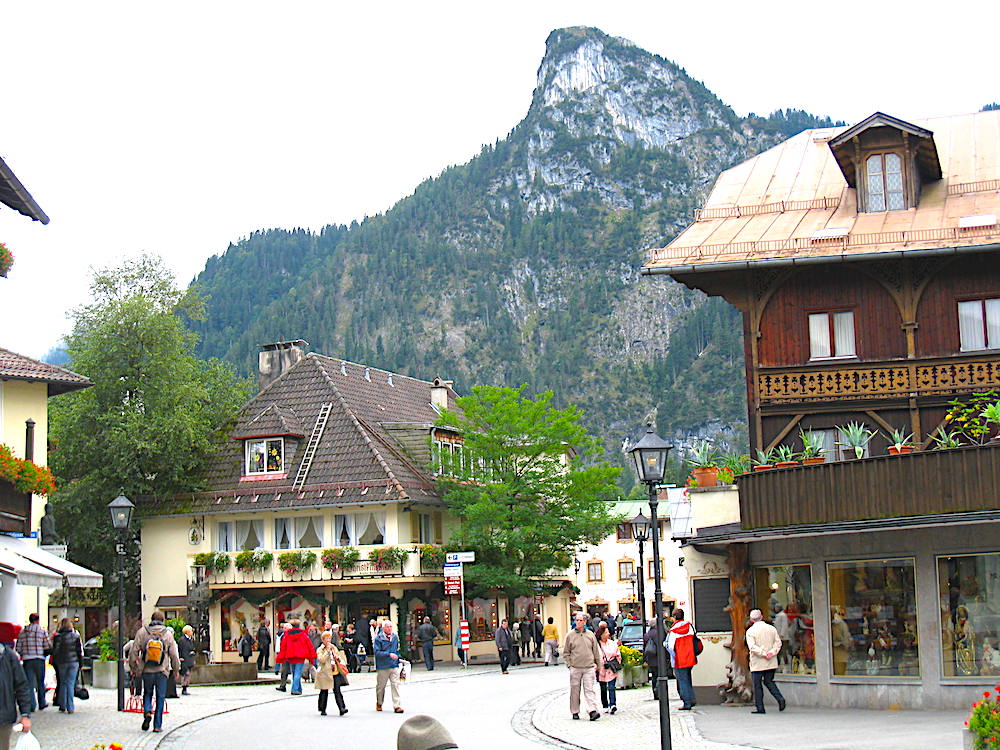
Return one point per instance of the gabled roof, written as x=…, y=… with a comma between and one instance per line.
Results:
x=274, y=420
x=361, y=458
x=15, y=366
x=927, y=156
x=14, y=195
x=792, y=204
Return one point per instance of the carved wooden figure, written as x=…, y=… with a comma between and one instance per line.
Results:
x=738, y=687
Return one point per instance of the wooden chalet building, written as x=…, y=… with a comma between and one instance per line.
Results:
x=329, y=456
x=866, y=264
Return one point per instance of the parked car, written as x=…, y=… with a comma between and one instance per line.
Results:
x=631, y=636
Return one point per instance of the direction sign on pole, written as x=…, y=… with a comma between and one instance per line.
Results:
x=459, y=557
x=452, y=569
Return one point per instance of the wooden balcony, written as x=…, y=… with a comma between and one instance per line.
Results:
x=363, y=570
x=916, y=484
x=15, y=509
x=842, y=381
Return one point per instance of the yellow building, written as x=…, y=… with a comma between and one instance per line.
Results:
x=330, y=459
x=28, y=572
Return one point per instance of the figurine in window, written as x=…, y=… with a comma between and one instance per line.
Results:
x=965, y=642
x=991, y=658
x=841, y=635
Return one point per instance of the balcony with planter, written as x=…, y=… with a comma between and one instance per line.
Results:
x=924, y=483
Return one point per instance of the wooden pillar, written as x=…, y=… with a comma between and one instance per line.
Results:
x=738, y=687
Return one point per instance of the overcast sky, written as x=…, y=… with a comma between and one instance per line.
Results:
x=177, y=128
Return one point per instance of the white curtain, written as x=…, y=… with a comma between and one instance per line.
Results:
x=993, y=323
x=843, y=334
x=339, y=530
x=308, y=532
x=380, y=524
x=970, y=325
x=226, y=537
x=819, y=336
x=359, y=527
x=282, y=533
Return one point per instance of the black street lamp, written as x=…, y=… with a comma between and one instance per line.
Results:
x=640, y=532
x=121, y=516
x=650, y=456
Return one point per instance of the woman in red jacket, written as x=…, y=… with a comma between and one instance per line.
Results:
x=296, y=649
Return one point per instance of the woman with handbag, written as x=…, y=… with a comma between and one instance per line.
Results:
x=331, y=673
x=67, y=655
x=607, y=674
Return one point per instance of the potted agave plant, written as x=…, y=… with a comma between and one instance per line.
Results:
x=765, y=460
x=855, y=439
x=812, y=447
x=704, y=464
x=786, y=457
x=901, y=442
x=944, y=440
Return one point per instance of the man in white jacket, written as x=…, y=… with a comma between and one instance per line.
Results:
x=764, y=644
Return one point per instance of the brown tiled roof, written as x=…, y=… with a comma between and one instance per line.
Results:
x=792, y=203
x=360, y=459
x=272, y=421
x=15, y=366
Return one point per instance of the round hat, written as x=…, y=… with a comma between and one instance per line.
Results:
x=423, y=733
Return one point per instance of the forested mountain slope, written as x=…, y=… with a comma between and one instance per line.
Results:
x=522, y=264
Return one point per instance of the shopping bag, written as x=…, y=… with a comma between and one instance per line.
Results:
x=133, y=704
x=404, y=670
x=27, y=741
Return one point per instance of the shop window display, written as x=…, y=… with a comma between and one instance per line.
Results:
x=969, y=593
x=784, y=594
x=482, y=617
x=873, y=618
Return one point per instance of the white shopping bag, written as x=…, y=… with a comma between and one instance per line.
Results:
x=27, y=741
x=404, y=670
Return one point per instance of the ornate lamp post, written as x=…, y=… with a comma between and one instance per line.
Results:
x=640, y=532
x=121, y=516
x=650, y=457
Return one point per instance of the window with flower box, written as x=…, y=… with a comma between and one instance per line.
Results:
x=264, y=456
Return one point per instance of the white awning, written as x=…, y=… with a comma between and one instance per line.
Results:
x=29, y=562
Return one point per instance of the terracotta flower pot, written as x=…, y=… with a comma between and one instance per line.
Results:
x=814, y=460
x=762, y=467
x=786, y=464
x=899, y=450
x=707, y=477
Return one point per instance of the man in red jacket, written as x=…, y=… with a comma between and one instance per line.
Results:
x=295, y=649
x=680, y=645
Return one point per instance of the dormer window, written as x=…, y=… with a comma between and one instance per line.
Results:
x=264, y=456
x=885, y=182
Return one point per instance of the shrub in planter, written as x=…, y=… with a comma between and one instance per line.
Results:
x=253, y=560
x=340, y=558
x=213, y=562
x=25, y=475
x=432, y=556
x=6, y=259
x=292, y=563
x=984, y=722
x=384, y=558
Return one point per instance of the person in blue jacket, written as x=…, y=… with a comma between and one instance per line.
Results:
x=386, y=649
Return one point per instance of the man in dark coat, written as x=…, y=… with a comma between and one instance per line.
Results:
x=505, y=644
x=427, y=634
x=536, y=634
x=15, y=695
x=264, y=644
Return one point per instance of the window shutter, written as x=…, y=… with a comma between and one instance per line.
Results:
x=438, y=530
x=414, y=526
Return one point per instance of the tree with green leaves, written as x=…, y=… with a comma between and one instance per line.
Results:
x=529, y=490
x=148, y=423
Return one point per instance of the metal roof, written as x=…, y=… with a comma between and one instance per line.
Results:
x=16, y=196
x=792, y=203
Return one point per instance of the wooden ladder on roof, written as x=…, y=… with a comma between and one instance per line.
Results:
x=311, y=446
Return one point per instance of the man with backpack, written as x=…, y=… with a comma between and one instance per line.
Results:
x=154, y=657
x=683, y=650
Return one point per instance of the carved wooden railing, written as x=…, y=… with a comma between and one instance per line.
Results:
x=874, y=380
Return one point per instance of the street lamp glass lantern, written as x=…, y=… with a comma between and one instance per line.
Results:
x=650, y=457
x=121, y=512
x=640, y=528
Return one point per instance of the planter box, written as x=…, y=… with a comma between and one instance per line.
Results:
x=633, y=677
x=220, y=674
x=105, y=674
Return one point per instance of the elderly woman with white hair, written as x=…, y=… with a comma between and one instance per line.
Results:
x=185, y=650
x=764, y=644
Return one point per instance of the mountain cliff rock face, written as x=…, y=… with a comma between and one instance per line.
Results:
x=522, y=265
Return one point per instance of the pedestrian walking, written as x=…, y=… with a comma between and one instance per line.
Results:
x=504, y=640
x=350, y=643
x=245, y=645
x=152, y=658
x=33, y=645
x=583, y=657
x=427, y=634
x=15, y=695
x=330, y=670
x=335, y=637
x=296, y=649
x=680, y=646
x=386, y=648
x=526, y=635
x=264, y=646
x=536, y=635
x=650, y=643
x=550, y=638
x=463, y=652
x=67, y=655
x=610, y=666
x=764, y=643
x=185, y=652
x=309, y=667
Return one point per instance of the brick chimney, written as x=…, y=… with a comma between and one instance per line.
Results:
x=276, y=359
x=439, y=392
